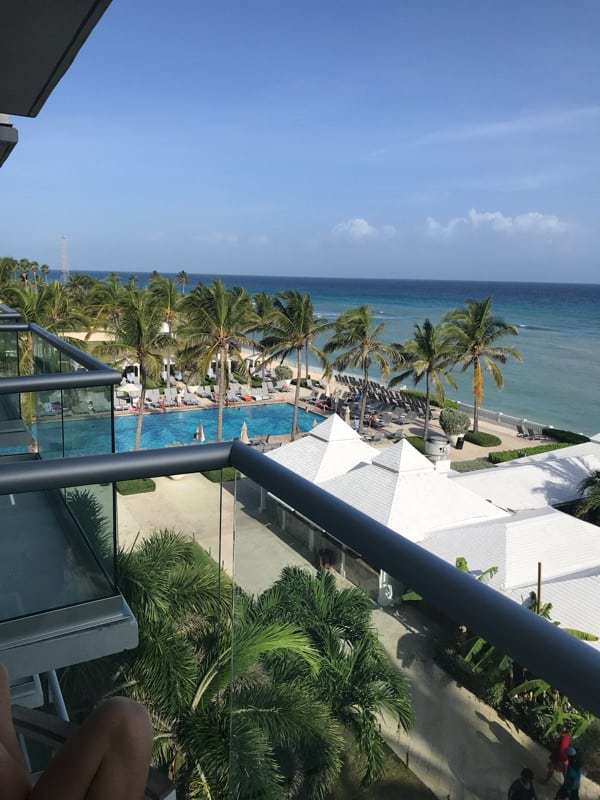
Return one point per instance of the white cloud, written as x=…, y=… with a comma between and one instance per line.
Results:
x=358, y=229
x=532, y=123
x=532, y=223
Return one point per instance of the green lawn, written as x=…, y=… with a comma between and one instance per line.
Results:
x=214, y=475
x=472, y=465
x=398, y=783
x=136, y=486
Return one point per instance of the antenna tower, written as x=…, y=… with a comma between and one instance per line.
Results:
x=64, y=259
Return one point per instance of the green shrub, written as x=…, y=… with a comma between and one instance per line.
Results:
x=568, y=437
x=214, y=475
x=482, y=439
x=136, y=486
x=472, y=465
x=283, y=372
x=509, y=455
x=302, y=382
x=418, y=442
x=256, y=383
x=454, y=422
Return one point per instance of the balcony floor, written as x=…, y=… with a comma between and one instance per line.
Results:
x=45, y=563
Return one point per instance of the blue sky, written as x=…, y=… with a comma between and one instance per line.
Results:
x=392, y=139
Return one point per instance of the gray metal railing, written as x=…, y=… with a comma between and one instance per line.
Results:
x=572, y=666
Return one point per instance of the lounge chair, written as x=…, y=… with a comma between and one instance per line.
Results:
x=532, y=433
x=190, y=399
x=521, y=432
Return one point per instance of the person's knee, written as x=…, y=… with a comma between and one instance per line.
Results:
x=129, y=722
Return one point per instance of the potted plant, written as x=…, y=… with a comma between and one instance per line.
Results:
x=454, y=424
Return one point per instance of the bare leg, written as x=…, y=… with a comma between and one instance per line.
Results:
x=14, y=779
x=108, y=757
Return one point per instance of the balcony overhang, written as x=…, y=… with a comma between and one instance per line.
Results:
x=38, y=42
x=66, y=636
x=9, y=137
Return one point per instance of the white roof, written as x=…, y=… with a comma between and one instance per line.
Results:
x=575, y=600
x=531, y=484
x=401, y=491
x=330, y=449
x=562, y=543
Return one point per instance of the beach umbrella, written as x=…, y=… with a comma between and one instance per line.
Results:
x=244, y=434
x=132, y=389
x=347, y=415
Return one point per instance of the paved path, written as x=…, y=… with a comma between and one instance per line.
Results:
x=459, y=747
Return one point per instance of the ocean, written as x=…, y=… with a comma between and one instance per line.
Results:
x=558, y=382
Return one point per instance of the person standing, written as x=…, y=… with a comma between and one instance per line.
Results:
x=570, y=788
x=559, y=760
x=523, y=788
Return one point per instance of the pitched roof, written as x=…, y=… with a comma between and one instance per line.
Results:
x=330, y=449
x=403, y=457
x=411, y=501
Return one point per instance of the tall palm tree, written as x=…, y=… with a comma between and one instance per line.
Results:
x=293, y=329
x=589, y=505
x=473, y=332
x=168, y=300
x=358, y=335
x=49, y=305
x=216, y=326
x=45, y=269
x=427, y=356
x=8, y=270
x=138, y=336
x=182, y=280
x=106, y=301
x=264, y=308
x=355, y=677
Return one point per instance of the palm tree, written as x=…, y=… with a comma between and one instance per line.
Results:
x=355, y=677
x=167, y=299
x=225, y=724
x=216, y=327
x=138, y=336
x=473, y=333
x=589, y=505
x=182, y=280
x=49, y=305
x=428, y=356
x=264, y=308
x=45, y=269
x=106, y=301
x=8, y=270
x=358, y=335
x=293, y=329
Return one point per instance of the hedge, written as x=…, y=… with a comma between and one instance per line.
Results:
x=568, y=437
x=482, y=439
x=509, y=455
x=418, y=442
x=214, y=475
x=136, y=486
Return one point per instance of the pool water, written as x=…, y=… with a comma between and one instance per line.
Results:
x=177, y=427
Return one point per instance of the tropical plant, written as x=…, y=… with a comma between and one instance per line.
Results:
x=358, y=335
x=225, y=725
x=454, y=422
x=264, y=307
x=427, y=356
x=106, y=301
x=473, y=333
x=293, y=329
x=355, y=679
x=589, y=505
x=137, y=336
x=182, y=280
x=168, y=300
x=283, y=372
x=216, y=327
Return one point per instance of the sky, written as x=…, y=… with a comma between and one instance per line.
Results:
x=392, y=139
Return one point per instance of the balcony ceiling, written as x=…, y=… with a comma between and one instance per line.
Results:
x=38, y=41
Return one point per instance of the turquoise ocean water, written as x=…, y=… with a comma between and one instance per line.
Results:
x=558, y=382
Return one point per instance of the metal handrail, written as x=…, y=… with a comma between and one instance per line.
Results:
x=573, y=667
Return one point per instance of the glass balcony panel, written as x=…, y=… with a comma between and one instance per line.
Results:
x=87, y=421
x=46, y=357
x=469, y=736
x=10, y=407
x=55, y=552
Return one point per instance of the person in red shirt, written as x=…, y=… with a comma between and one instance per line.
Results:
x=559, y=757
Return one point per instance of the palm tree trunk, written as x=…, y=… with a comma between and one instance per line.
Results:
x=427, y=402
x=297, y=394
x=363, y=403
x=476, y=393
x=306, y=373
x=140, y=419
x=221, y=367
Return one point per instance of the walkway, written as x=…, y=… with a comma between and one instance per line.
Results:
x=459, y=747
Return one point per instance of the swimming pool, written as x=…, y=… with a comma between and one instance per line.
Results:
x=177, y=427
